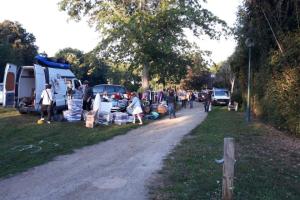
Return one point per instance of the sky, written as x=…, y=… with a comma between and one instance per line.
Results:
x=53, y=30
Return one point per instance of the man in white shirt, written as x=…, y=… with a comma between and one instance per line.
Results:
x=47, y=103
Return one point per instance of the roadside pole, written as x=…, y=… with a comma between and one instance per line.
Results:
x=228, y=169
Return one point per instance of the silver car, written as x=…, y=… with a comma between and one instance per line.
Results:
x=1, y=93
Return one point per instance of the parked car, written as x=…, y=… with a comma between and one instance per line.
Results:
x=1, y=93
x=119, y=104
x=201, y=96
x=109, y=89
x=220, y=96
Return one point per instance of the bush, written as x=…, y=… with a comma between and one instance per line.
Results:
x=278, y=86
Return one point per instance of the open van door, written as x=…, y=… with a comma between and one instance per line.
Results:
x=9, y=85
x=40, y=82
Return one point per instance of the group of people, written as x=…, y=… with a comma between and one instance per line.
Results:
x=83, y=92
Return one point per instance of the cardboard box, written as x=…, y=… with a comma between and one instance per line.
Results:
x=89, y=124
x=90, y=119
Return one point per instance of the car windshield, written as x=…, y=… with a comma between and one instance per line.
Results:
x=110, y=89
x=121, y=90
x=221, y=93
x=98, y=89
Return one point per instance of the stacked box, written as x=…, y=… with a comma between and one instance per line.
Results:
x=105, y=118
x=120, y=118
x=74, y=110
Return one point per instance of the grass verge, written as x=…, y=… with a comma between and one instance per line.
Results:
x=267, y=167
x=24, y=143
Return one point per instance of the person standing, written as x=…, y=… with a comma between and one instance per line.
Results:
x=207, y=102
x=47, y=101
x=171, y=100
x=137, y=108
x=87, y=96
x=191, y=98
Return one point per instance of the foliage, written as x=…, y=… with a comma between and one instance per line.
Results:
x=224, y=76
x=149, y=35
x=198, y=75
x=274, y=27
x=122, y=75
x=16, y=45
x=85, y=66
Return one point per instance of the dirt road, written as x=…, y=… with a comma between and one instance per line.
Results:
x=113, y=170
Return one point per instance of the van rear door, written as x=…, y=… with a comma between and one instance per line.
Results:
x=39, y=84
x=9, y=89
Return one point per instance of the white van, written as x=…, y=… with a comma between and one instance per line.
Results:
x=220, y=96
x=23, y=86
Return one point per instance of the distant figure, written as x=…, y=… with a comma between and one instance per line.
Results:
x=87, y=96
x=207, y=101
x=47, y=100
x=137, y=108
x=77, y=93
x=183, y=98
x=191, y=99
x=171, y=100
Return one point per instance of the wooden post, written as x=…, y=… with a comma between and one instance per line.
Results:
x=228, y=169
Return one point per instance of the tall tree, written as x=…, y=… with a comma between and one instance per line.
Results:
x=85, y=66
x=147, y=34
x=16, y=45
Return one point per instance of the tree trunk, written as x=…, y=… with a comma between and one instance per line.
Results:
x=145, y=77
x=232, y=84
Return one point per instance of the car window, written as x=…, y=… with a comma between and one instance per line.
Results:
x=98, y=89
x=121, y=90
x=221, y=93
x=110, y=89
x=1, y=87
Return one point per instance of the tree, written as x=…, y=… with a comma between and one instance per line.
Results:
x=274, y=27
x=85, y=66
x=147, y=34
x=224, y=76
x=198, y=75
x=16, y=45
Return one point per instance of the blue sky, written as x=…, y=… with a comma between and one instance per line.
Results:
x=53, y=31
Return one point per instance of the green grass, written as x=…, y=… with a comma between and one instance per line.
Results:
x=24, y=143
x=265, y=169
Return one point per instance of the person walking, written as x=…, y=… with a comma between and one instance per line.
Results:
x=87, y=96
x=47, y=101
x=137, y=108
x=171, y=100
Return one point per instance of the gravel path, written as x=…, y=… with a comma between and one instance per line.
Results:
x=113, y=170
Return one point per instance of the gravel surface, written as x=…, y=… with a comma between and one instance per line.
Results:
x=113, y=170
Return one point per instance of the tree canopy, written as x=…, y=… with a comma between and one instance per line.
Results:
x=16, y=45
x=86, y=66
x=148, y=35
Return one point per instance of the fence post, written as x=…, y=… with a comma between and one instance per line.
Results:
x=228, y=169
